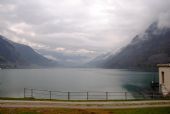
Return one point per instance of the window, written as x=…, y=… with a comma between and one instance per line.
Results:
x=163, y=78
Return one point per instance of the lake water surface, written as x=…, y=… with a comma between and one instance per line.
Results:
x=13, y=81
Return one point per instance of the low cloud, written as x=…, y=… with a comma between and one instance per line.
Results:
x=23, y=29
x=51, y=57
x=60, y=49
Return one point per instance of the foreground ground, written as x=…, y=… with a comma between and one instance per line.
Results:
x=109, y=107
x=158, y=110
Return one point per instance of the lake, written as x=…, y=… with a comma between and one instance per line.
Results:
x=13, y=81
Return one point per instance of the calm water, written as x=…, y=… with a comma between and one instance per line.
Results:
x=13, y=81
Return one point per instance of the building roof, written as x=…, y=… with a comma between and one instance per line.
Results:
x=163, y=65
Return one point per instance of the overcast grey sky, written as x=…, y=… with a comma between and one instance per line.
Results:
x=84, y=27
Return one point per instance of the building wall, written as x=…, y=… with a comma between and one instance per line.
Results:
x=166, y=71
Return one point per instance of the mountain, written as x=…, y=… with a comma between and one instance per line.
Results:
x=8, y=53
x=144, y=52
x=18, y=55
x=99, y=61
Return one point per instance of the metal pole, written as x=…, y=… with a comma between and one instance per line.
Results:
x=31, y=93
x=152, y=95
x=68, y=95
x=87, y=95
x=125, y=95
x=50, y=95
x=106, y=95
x=24, y=92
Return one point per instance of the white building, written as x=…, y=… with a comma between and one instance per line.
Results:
x=164, y=78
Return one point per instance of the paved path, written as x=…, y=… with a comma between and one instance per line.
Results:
x=83, y=105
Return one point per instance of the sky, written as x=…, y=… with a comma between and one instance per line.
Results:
x=85, y=28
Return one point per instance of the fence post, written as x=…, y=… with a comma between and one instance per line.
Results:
x=68, y=95
x=87, y=95
x=152, y=95
x=50, y=95
x=31, y=93
x=24, y=92
x=125, y=95
x=106, y=95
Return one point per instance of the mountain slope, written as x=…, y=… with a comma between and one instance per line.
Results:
x=30, y=56
x=8, y=53
x=144, y=51
x=20, y=55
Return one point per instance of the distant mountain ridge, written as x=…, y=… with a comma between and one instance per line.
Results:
x=145, y=50
x=18, y=55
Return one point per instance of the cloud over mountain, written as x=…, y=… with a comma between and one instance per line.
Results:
x=79, y=27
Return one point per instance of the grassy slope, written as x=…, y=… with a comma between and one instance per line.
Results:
x=163, y=110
